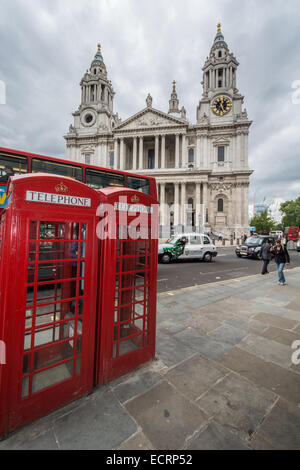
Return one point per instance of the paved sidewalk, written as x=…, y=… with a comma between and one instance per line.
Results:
x=223, y=378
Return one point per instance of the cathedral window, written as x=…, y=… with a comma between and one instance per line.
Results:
x=102, y=92
x=220, y=54
x=151, y=159
x=87, y=159
x=111, y=160
x=191, y=155
x=220, y=205
x=93, y=93
x=191, y=203
x=221, y=153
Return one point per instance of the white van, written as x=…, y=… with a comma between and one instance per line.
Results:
x=187, y=246
x=276, y=233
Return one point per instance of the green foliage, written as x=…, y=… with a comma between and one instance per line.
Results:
x=263, y=222
x=291, y=213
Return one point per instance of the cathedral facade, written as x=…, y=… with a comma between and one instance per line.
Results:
x=201, y=169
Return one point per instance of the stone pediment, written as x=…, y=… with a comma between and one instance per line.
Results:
x=150, y=118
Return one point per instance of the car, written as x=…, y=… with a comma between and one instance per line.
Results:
x=187, y=246
x=251, y=247
x=298, y=245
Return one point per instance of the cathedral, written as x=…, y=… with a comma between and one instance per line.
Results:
x=201, y=168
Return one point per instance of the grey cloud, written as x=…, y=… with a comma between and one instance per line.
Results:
x=47, y=46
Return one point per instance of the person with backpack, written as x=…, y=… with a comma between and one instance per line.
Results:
x=282, y=258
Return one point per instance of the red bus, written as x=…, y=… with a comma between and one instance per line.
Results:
x=293, y=234
x=15, y=162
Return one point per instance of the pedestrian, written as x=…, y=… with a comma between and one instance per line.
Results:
x=220, y=236
x=282, y=258
x=266, y=255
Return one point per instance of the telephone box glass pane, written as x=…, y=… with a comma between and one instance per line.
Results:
x=54, y=310
x=51, y=376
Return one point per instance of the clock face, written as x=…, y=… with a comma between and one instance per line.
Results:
x=221, y=105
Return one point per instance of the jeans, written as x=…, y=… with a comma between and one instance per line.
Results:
x=280, y=267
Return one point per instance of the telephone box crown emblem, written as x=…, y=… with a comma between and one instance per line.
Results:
x=135, y=199
x=61, y=188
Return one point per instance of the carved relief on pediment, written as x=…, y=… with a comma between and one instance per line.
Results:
x=148, y=120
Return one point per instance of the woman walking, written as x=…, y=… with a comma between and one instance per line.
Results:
x=282, y=257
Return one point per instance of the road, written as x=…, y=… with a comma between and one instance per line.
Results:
x=226, y=265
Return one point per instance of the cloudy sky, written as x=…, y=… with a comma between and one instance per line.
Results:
x=46, y=46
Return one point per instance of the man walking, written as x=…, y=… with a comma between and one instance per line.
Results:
x=265, y=255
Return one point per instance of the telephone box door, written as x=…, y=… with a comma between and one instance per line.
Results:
x=127, y=311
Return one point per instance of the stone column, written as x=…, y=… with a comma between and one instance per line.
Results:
x=162, y=204
x=183, y=198
x=134, y=153
x=141, y=153
x=176, y=204
x=246, y=149
x=198, y=211
x=163, y=151
x=239, y=149
x=184, y=152
x=239, y=205
x=198, y=152
x=122, y=155
x=116, y=146
x=177, y=151
x=156, y=152
x=205, y=199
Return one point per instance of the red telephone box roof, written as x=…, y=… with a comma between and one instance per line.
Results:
x=137, y=197
x=54, y=190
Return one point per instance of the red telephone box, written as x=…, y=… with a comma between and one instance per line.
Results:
x=127, y=228
x=48, y=273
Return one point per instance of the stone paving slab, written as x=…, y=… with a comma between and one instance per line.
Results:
x=137, y=442
x=228, y=334
x=282, y=426
x=195, y=376
x=218, y=437
x=237, y=403
x=104, y=421
x=281, y=336
x=167, y=418
x=134, y=384
x=267, y=349
x=278, y=321
x=203, y=344
x=283, y=382
x=172, y=351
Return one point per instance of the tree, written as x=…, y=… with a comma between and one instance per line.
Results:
x=263, y=222
x=291, y=213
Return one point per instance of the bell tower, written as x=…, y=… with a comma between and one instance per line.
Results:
x=220, y=81
x=94, y=120
x=95, y=113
